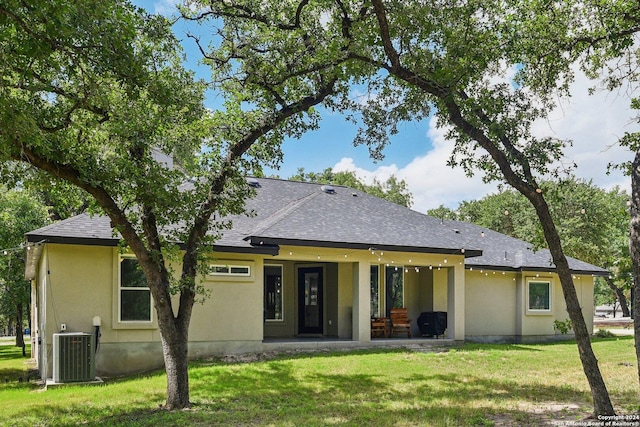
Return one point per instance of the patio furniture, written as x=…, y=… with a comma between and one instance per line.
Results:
x=432, y=323
x=379, y=327
x=400, y=322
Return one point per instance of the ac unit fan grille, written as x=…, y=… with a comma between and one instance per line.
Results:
x=73, y=357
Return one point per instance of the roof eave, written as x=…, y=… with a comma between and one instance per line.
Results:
x=93, y=241
x=271, y=241
x=512, y=269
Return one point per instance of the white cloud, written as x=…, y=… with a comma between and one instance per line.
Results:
x=166, y=7
x=593, y=122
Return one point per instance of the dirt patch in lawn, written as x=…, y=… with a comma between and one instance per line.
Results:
x=543, y=414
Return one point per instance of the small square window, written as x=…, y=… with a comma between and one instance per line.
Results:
x=539, y=295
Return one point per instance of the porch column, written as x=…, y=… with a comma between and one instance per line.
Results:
x=455, y=303
x=361, y=322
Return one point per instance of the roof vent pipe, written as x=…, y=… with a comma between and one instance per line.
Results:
x=328, y=189
x=254, y=183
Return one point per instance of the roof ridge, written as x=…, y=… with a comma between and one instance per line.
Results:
x=281, y=214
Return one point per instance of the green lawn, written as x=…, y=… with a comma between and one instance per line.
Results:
x=469, y=385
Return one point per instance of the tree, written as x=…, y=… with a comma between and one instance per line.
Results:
x=91, y=92
x=443, y=58
x=392, y=189
x=592, y=224
x=20, y=213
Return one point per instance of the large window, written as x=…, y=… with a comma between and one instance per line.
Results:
x=539, y=294
x=273, y=292
x=375, y=291
x=394, y=288
x=135, y=296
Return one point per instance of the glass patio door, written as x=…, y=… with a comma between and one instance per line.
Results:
x=310, y=304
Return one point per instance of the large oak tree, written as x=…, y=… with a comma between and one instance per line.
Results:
x=455, y=60
x=91, y=92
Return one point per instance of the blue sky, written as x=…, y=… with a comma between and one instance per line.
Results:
x=319, y=149
x=419, y=152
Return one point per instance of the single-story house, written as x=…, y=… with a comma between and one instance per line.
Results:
x=315, y=261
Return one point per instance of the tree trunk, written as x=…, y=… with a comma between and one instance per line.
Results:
x=176, y=361
x=624, y=306
x=19, y=331
x=634, y=249
x=174, y=334
x=601, y=400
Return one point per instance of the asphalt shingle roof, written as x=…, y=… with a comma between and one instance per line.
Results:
x=288, y=212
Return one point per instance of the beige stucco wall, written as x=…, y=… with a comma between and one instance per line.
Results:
x=82, y=282
x=490, y=299
x=496, y=306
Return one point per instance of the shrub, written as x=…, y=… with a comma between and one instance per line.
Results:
x=564, y=326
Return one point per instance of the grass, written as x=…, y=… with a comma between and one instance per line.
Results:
x=470, y=385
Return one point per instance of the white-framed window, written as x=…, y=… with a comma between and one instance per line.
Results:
x=133, y=292
x=539, y=296
x=273, y=294
x=229, y=270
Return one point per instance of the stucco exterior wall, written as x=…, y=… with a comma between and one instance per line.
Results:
x=490, y=299
x=497, y=307
x=76, y=283
x=233, y=308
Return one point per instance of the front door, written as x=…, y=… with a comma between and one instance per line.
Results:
x=310, y=300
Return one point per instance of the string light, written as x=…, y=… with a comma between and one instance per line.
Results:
x=21, y=247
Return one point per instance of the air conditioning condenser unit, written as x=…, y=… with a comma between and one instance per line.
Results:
x=73, y=357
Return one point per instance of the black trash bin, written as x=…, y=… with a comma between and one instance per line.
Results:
x=432, y=323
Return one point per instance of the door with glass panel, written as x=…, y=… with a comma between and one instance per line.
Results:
x=310, y=300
